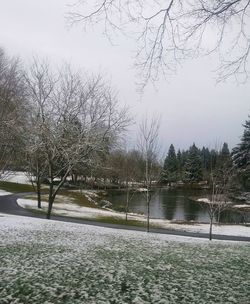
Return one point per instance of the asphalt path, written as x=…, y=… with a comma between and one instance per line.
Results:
x=8, y=204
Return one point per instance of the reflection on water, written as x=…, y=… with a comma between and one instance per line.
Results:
x=171, y=204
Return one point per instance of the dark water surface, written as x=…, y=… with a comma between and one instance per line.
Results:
x=171, y=204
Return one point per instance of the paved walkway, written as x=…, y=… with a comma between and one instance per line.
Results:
x=8, y=204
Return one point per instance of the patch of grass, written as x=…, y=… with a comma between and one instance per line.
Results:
x=79, y=198
x=101, y=219
x=37, y=211
x=15, y=187
x=119, y=208
x=118, y=221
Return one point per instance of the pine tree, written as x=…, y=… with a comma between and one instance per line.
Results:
x=224, y=157
x=206, y=162
x=193, y=167
x=170, y=168
x=225, y=153
x=221, y=174
x=241, y=155
x=179, y=165
x=206, y=158
x=213, y=159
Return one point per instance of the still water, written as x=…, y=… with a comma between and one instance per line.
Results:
x=171, y=204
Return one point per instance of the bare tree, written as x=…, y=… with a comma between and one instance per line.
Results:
x=40, y=86
x=167, y=32
x=127, y=168
x=217, y=204
x=148, y=145
x=220, y=182
x=131, y=169
x=75, y=117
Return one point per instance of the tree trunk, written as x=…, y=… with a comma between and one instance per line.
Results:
x=148, y=210
x=218, y=217
x=38, y=191
x=38, y=184
x=210, y=229
x=147, y=193
x=127, y=203
x=53, y=192
x=51, y=199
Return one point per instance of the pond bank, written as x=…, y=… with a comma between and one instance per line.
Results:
x=73, y=210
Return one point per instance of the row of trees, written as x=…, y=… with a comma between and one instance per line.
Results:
x=120, y=166
x=224, y=171
x=194, y=164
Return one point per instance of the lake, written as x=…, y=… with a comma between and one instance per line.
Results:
x=171, y=204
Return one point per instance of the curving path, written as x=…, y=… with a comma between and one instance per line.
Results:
x=8, y=204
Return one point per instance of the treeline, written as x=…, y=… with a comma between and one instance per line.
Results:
x=194, y=164
x=120, y=167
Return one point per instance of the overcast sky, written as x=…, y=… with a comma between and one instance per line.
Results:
x=191, y=106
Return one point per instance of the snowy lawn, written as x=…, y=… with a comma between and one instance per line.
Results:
x=55, y=262
x=66, y=207
x=17, y=177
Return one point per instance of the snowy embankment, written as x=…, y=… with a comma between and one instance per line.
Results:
x=73, y=210
x=228, y=203
x=3, y=193
x=70, y=209
x=56, y=262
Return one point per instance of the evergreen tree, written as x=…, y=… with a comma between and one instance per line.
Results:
x=170, y=168
x=193, y=167
x=225, y=153
x=222, y=173
x=206, y=162
x=213, y=159
x=179, y=165
x=224, y=158
x=241, y=155
x=206, y=158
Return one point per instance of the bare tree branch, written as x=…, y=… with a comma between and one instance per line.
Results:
x=168, y=32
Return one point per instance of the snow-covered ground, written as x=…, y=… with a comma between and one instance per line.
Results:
x=17, y=177
x=55, y=262
x=242, y=206
x=3, y=192
x=208, y=201
x=73, y=210
x=10, y=223
x=69, y=209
